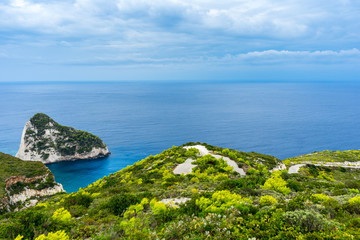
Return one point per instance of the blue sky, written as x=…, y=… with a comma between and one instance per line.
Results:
x=62, y=40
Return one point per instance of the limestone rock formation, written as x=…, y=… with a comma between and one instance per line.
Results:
x=24, y=183
x=45, y=140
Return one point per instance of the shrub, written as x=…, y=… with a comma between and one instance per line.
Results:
x=62, y=215
x=295, y=185
x=59, y=235
x=307, y=221
x=81, y=198
x=353, y=190
x=209, y=161
x=267, y=201
x=355, y=201
x=136, y=222
x=222, y=200
x=318, y=198
x=119, y=203
x=276, y=183
x=297, y=202
x=241, y=183
x=353, y=205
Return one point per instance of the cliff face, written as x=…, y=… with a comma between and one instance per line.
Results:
x=23, y=183
x=20, y=189
x=45, y=140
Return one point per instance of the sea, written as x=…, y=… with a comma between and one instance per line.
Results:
x=138, y=119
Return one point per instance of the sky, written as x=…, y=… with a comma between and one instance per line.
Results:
x=241, y=40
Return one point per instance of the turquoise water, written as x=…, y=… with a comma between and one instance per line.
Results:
x=143, y=118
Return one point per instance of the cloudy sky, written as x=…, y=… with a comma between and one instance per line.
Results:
x=43, y=40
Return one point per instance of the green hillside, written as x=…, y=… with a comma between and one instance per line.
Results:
x=330, y=156
x=11, y=166
x=217, y=203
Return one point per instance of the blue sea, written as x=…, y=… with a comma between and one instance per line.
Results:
x=137, y=119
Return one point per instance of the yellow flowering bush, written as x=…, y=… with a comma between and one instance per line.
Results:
x=267, y=201
x=59, y=235
x=277, y=183
x=320, y=197
x=62, y=215
x=355, y=201
x=222, y=200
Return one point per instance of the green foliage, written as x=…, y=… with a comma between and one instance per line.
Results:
x=221, y=201
x=320, y=197
x=81, y=198
x=119, y=203
x=62, y=215
x=210, y=164
x=329, y=156
x=294, y=185
x=277, y=184
x=59, y=235
x=307, y=221
x=317, y=203
x=355, y=201
x=25, y=223
x=268, y=200
x=353, y=190
x=298, y=202
x=11, y=166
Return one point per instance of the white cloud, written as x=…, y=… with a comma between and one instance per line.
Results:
x=259, y=18
x=273, y=57
x=161, y=32
x=292, y=57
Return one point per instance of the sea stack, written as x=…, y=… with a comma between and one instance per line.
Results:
x=45, y=140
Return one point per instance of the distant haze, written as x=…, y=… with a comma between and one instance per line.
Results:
x=63, y=40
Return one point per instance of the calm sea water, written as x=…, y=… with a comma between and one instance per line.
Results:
x=142, y=118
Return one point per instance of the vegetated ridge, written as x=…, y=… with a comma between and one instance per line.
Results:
x=147, y=200
x=45, y=140
x=23, y=183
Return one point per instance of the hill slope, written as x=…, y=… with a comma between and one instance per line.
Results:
x=147, y=200
x=22, y=180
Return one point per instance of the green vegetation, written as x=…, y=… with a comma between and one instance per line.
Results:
x=11, y=166
x=329, y=156
x=316, y=203
x=68, y=140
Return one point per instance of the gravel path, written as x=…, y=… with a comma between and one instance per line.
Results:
x=187, y=166
x=295, y=168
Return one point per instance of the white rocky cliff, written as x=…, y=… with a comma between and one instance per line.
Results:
x=45, y=140
x=29, y=196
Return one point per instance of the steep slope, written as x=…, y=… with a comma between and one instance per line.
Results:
x=213, y=200
x=45, y=140
x=21, y=181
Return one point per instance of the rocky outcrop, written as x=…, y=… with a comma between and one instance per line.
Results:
x=27, y=190
x=22, y=179
x=281, y=166
x=28, y=193
x=45, y=140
